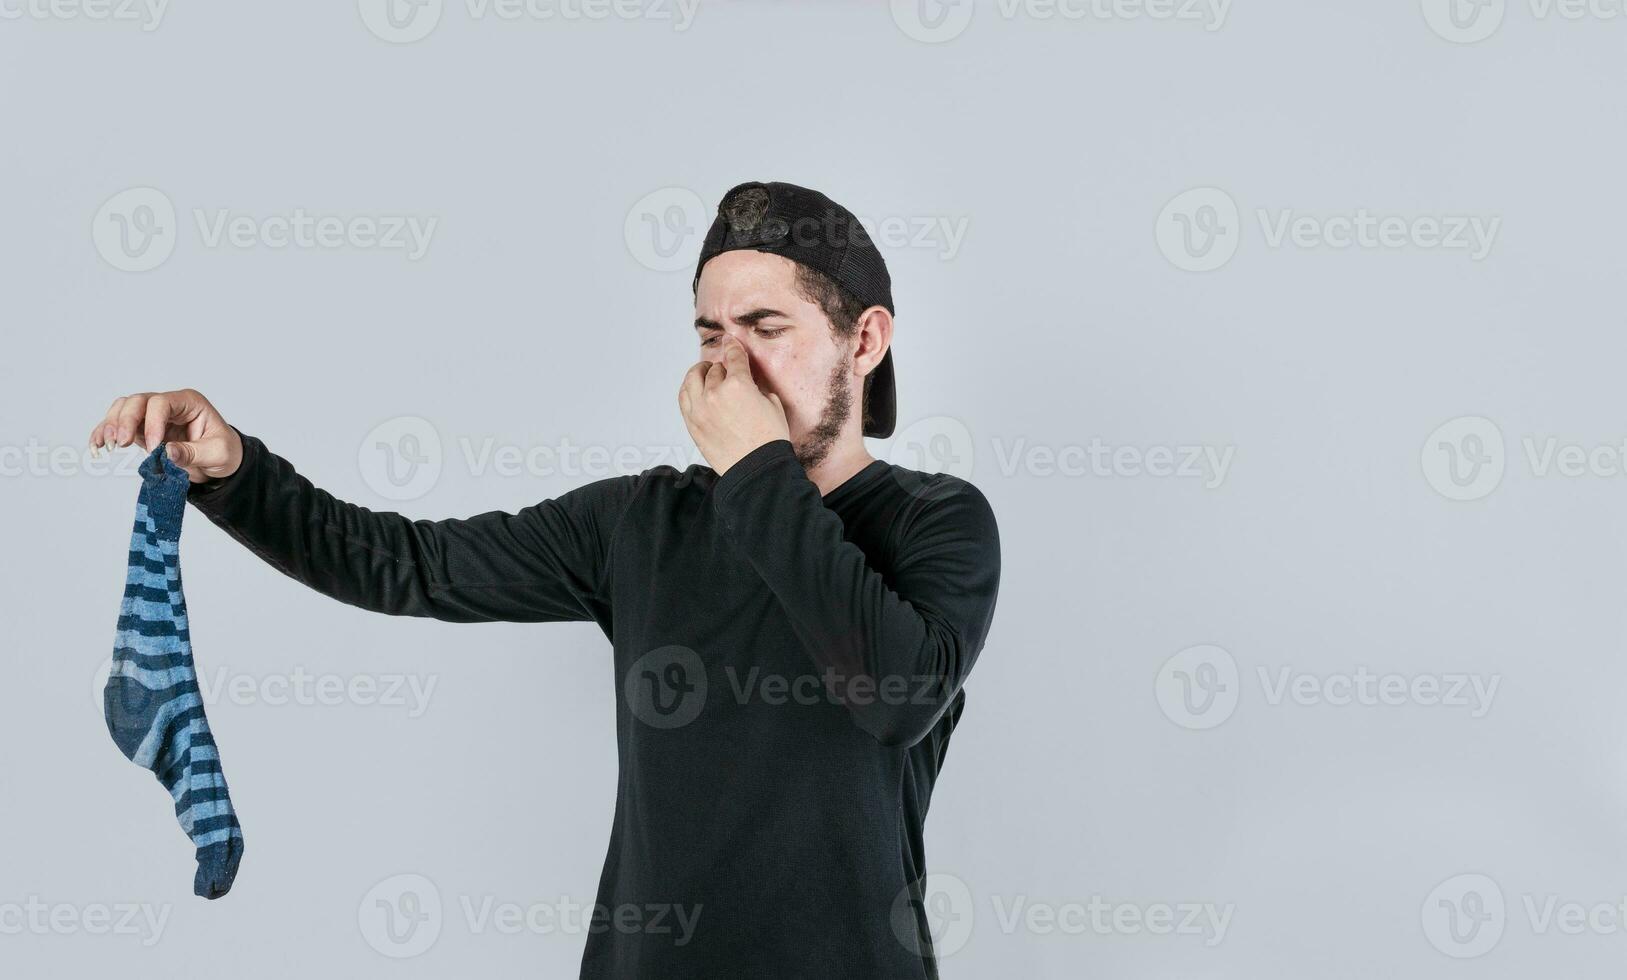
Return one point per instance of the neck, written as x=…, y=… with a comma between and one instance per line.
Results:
x=845, y=459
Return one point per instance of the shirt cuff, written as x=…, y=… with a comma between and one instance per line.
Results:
x=759, y=459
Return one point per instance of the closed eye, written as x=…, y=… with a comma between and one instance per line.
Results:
x=767, y=333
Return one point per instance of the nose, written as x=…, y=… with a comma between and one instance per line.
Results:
x=714, y=354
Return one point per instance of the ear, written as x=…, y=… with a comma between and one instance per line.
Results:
x=874, y=336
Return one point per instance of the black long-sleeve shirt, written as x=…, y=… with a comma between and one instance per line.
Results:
x=788, y=672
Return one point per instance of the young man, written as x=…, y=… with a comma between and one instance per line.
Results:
x=791, y=626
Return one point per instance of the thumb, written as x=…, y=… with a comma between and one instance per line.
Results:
x=182, y=454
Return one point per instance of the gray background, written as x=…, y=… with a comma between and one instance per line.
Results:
x=535, y=317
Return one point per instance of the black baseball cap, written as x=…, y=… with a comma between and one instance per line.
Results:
x=806, y=226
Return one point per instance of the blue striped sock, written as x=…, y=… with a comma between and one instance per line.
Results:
x=153, y=706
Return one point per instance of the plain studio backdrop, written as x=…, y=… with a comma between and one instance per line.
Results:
x=1285, y=339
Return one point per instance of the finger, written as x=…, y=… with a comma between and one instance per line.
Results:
x=158, y=411
x=695, y=379
x=129, y=421
x=170, y=410
x=735, y=359
x=108, y=426
x=99, y=435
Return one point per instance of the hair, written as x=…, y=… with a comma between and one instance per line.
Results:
x=842, y=309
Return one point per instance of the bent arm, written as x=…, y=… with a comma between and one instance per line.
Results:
x=901, y=652
x=544, y=563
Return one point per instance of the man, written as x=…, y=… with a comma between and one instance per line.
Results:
x=791, y=625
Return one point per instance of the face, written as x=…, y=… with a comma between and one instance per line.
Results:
x=794, y=352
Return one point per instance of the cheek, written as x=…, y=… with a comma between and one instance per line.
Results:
x=800, y=378
x=773, y=368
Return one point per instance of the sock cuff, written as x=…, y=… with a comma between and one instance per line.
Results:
x=164, y=486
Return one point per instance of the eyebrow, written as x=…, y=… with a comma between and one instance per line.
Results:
x=746, y=319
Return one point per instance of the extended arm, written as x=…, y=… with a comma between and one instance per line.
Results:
x=544, y=563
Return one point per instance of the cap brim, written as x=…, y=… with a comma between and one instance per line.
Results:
x=881, y=406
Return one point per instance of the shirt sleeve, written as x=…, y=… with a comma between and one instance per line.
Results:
x=548, y=562
x=898, y=652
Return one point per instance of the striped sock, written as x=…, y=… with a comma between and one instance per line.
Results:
x=153, y=707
